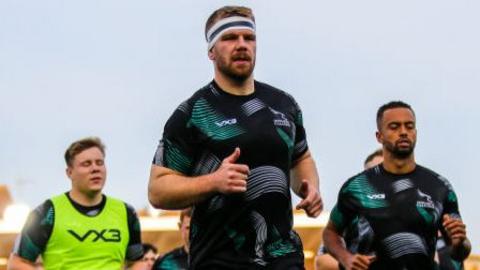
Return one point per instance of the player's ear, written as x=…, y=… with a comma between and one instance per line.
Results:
x=379, y=137
x=211, y=55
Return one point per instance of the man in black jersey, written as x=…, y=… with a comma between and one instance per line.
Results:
x=403, y=203
x=229, y=151
x=82, y=228
x=177, y=258
x=357, y=236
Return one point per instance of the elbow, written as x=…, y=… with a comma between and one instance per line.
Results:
x=160, y=199
x=156, y=198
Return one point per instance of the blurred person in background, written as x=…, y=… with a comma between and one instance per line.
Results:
x=403, y=203
x=81, y=228
x=356, y=236
x=178, y=258
x=150, y=254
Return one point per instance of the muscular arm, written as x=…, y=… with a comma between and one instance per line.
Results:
x=459, y=245
x=305, y=184
x=336, y=247
x=334, y=243
x=304, y=168
x=169, y=189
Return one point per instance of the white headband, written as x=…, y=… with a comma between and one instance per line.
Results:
x=229, y=23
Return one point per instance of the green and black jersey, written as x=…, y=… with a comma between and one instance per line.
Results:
x=403, y=213
x=38, y=229
x=176, y=259
x=247, y=230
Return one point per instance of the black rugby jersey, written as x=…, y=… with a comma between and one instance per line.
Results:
x=241, y=230
x=404, y=213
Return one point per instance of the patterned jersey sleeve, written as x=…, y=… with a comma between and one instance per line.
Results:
x=343, y=213
x=300, y=146
x=176, y=148
x=134, y=249
x=450, y=204
x=35, y=234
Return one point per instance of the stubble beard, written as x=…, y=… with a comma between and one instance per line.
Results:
x=400, y=153
x=235, y=74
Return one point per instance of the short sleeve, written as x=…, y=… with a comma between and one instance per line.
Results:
x=450, y=203
x=343, y=213
x=176, y=149
x=134, y=249
x=300, y=144
x=35, y=234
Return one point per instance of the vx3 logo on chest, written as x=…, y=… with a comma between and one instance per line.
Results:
x=226, y=122
x=107, y=235
x=379, y=196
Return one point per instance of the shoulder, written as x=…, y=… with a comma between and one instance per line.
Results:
x=131, y=212
x=43, y=214
x=187, y=105
x=356, y=182
x=273, y=92
x=45, y=207
x=434, y=176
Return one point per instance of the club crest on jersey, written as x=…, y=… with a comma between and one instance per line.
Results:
x=226, y=122
x=279, y=119
x=425, y=200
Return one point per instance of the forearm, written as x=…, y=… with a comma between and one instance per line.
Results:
x=461, y=251
x=335, y=245
x=304, y=168
x=169, y=190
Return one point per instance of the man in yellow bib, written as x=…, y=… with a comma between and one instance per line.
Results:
x=82, y=228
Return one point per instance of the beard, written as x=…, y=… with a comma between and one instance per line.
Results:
x=400, y=152
x=237, y=74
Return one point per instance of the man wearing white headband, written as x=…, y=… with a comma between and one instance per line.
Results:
x=233, y=151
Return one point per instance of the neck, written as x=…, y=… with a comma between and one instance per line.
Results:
x=398, y=166
x=234, y=87
x=90, y=199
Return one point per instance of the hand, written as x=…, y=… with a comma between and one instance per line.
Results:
x=230, y=177
x=358, y=262
x=312, y=201
x=455, y=229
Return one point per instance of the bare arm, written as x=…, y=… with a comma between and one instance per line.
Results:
x=16, y=262
x=305, y=184
x=336, y=247
x=169, y=189
x=325, y=262
x=460, y=246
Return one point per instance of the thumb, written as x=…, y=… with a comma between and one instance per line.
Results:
x=233, y=156
x=446, y=217
x=303, y=187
